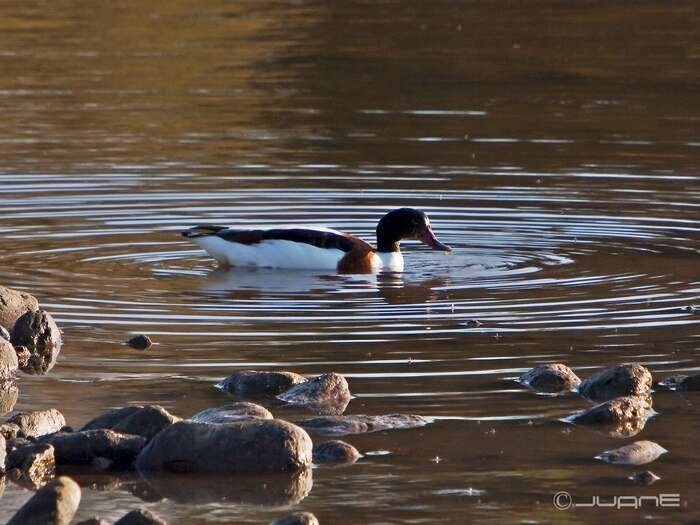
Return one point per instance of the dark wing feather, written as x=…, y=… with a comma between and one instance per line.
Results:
x=317, y=238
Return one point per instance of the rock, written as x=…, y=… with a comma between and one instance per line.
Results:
x=54, y=504
x=327, y=394
x=8, y=397
x=10, y=430
x=247, y=446
x=4, y=334
x=38, y=332
x=335, y=452
x=141, y=517
x=93, y=521
x=360, y=424
x=278, y=489
x=32, y=465
x=615, y=411
x=140, y=342
x=3, y=454
x=252, y=383
x=24, y=356
x=672, y=382
x=637, y=453
x=298, y=518
x=232, y=413
x=550, y=378
x=8, y=360
x=682, y=382
x=644, y=478
x=624, y=380
x=84, y=446
x=13, y=304
x=144, y=421
x=37, y=423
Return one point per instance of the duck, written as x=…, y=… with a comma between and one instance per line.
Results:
x=317, y=248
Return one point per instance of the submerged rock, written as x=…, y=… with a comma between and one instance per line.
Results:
x=144, y=421
x=682, y=382
x=644, y=478
x=39, y=334
x=8, y=397
x=13, y=304
x=335, y=452
x=141, y=517
x=4, y=334
x=361, y=424
x=85, y=446
x=615, y=411
x=140, y=342
x=252, y=383
x=37, y=423
x=550, y=378
x=32, y=465
x=232, y=413
x=327, y=394
x=8, y=360
x=637, y=453
x=54, y=504
x=298, y=518
x=624, y=380
x=247, y=446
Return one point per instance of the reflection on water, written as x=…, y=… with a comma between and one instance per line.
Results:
x=554, y=146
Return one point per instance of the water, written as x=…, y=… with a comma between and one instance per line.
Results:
x=555, y=147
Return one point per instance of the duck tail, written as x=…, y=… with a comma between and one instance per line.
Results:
x=203, y=230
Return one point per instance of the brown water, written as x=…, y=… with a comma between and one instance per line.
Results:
x=555, y=145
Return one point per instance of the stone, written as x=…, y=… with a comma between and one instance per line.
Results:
x=252, y=383
x=35, y=423
x=335, y=451
x=637, y=453
x=552, y=378
x=361, y=424
x=247, y=446
x=3, y=454
x=54, y=504
x=4, y=334
x=232, y=413
x=624, y=380
x=140, y=342
x=615, y=411
x=10, y=431
x=32, y=465
x=38, y=333
x=298, y=518
x=326, y=394
x=682, y=383
x=8, y=397
x=85, y=446
x=96, y=520
x=141, y=517
x=144, y=421
x=13, y=304
x=8, y=360
x=644, y=478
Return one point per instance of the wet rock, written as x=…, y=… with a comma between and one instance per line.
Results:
x=93, y=521
x=144, y=421
x=10, y=430
x=140, y=342
x=37, y=423
x=3, y=454
x=682, y=382
x=24, y=356
x=298, y=518
x=672, y=382
x=32, y=466
x=8, y=397
x=278, y=489
x=252, y=383
x=54, y=504
x=335, y=452
x=615, y=411
x=141, y=517
x=8, y=360
x=644, y=478
x=624, y=380
x=360, y=424
x=38, y=333
x=84, y=446
x=247, y=446
x=327, y=394
x=13, y=304
x=232, y=413
x=637, y=453
x=4, y=334
x=550, y=378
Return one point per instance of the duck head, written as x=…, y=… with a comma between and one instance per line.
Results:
x=406, y=223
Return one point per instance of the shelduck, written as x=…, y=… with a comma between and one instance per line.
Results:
x=315, y=247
